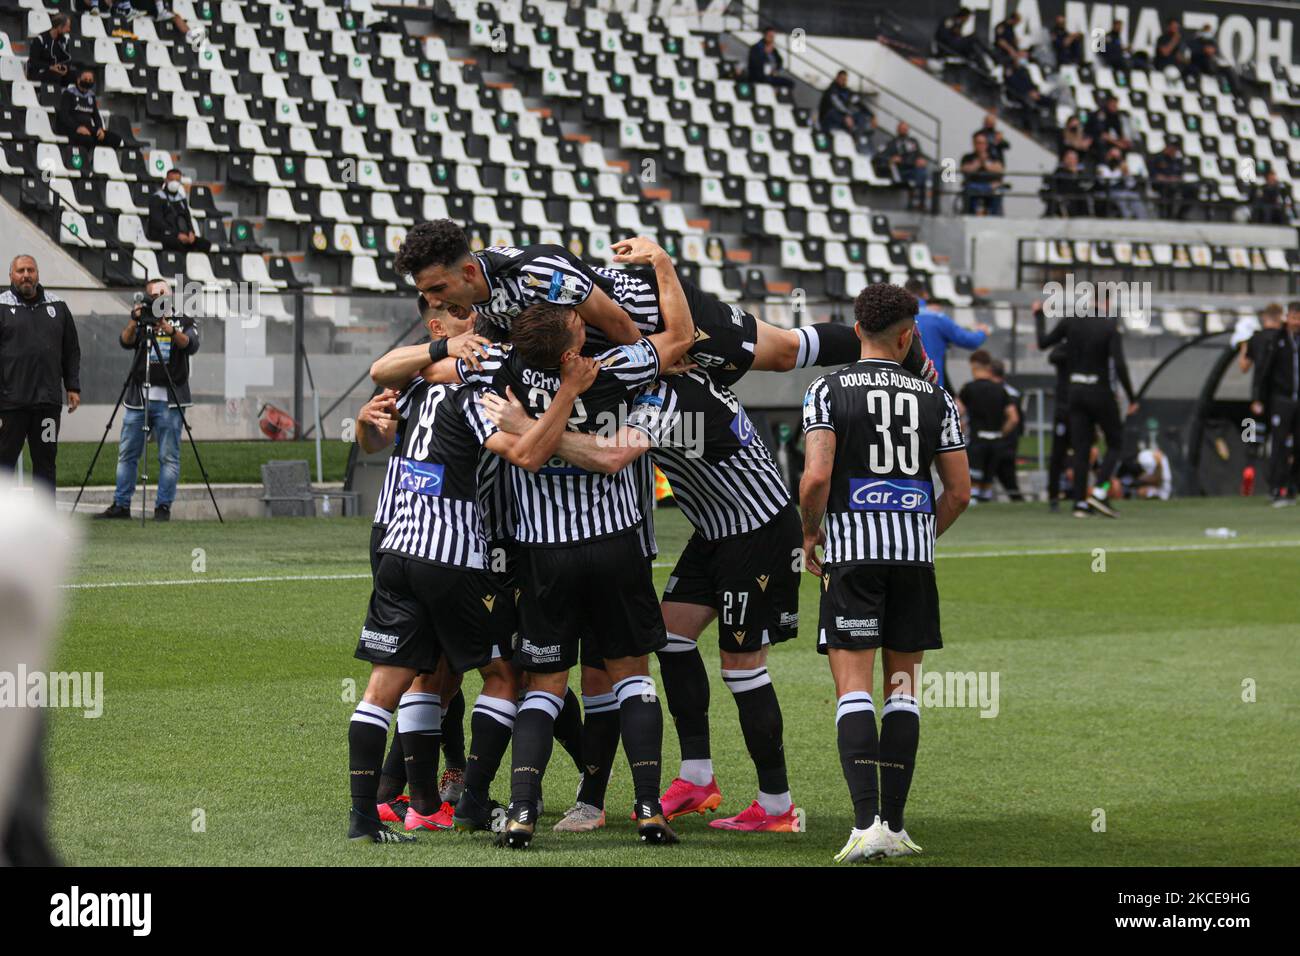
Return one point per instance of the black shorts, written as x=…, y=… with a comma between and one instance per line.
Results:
x=725, y=336
x=864, y=606
x=983, y=455
x=421, y=611
x=377, y=532
x=751, y=580
x=598, y=596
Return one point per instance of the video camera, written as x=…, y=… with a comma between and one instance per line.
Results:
x=145, y=313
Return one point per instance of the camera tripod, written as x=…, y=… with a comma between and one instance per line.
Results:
x=146, y=344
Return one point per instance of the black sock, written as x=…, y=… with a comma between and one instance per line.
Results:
x=830, y=344
x=686, y=685
x=534, y=738
x=490, y=726
x=418, y=718
x=392, y=779
x=367, y=734
x=599, y=746
x=760, y=722
x=453, y=732
x=568, y=727
x=641, y=721
x=900, y=731
x=855, y=727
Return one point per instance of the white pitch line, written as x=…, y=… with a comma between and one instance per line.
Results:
x=1032, y=553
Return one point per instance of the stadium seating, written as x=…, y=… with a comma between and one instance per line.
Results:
x=529, y=122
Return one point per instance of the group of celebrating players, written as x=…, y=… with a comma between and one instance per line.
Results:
x=514, y=535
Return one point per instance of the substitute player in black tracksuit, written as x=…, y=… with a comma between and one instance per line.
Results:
x=872, y=434
x=1275, y=390
x=1094, y=351
x=1007, y=474
x=992, y=418
x=434, y=594
x=741, y=567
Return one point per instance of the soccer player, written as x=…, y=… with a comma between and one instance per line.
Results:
x=1276, y=387
x=741, y=566
x=1060, y=428
x=872, y=434
x=433, y=594
x=1093, y=350
x=1006, y=471
x=992, y=418
x=583, y=578
x=502, y=281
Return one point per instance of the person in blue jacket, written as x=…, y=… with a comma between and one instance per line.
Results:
x=938, y=331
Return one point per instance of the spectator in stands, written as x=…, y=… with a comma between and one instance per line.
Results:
x=950, y=38
x=998, y=144
x=1271, y=202
x=1021, y=89
x=982, y=183
x=765, y=63
x=1113, y=52
x=938, y=330
x=1169, y=48
x=1066, y=190
x=40, y=360
x=77, y=116
x=1067, y=46
x=1006, y=47
x=902, y=158
x=1073, y=137
x=178, y=339
x=125, y=9
x=1106, y=127
x=48, y=59
x=1203, y=60
x=1122, y=191
x=840, y=108
x=1167, y=170
x=170, y=221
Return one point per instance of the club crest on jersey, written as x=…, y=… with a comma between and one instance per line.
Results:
x=889, y=494
x=420, y=477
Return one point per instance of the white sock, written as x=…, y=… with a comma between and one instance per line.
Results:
x=775, y=804
x=809, y=346
x=698, y=772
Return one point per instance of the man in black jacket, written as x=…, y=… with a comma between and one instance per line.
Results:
x=177, y=338
x=39, y=359
x=48, y=59
x=840, y=108
x=765, y=65
x=77, y=116
x=170, y=221
x=1276, y=386
x=1093, y=350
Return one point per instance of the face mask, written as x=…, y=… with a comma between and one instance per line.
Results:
x=174, y=186
x=86, y=87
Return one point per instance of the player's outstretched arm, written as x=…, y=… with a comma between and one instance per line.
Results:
x=602, y=453
x=436, y=361
x=814, y=490
x=601, y=312
x=1045, y=338
x=531, y=449
x=954, y=472
x=679, y=329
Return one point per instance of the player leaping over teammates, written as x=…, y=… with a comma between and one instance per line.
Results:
x=433, y=594
x=501, y=281
x=741, y=566
x=872, y=433
x=582, y=575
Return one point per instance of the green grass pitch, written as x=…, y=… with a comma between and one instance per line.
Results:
x=1121, y=693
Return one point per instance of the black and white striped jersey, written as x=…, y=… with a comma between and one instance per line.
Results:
x=644, y=471
x=562, y=504
x=387, y=491
x=722, y=475
x=518, y=278
x=494, y=498
x=435, y=514
x=888, y=425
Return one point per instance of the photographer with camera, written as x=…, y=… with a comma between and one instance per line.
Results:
x=151, y=324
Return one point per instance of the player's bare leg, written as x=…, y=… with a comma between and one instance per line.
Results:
x=533, y=739
x=746, y=676
x=900, y=730
x=859, y=747
x=367, y=734
x=490, y=724
x=686, y=685
x=826, y=344
x=600, y=733
x=641, y=722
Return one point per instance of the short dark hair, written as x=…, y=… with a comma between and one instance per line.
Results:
x=437, y=243
x=915, y=286
x=541, y=334
x=981, y=357
x=1293, y=306
x=881, y=306
x=60, y=20
x=999, y=368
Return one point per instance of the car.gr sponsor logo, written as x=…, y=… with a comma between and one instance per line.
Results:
x=742, y=428
x=889, y=494
x=377, y=642
x=420, y=477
